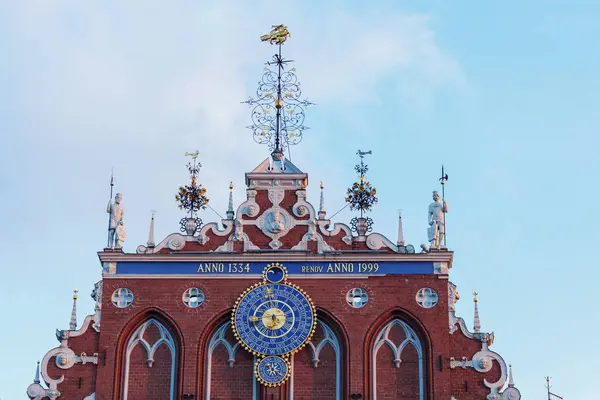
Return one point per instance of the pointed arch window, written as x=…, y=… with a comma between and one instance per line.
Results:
x=220, y=338
x=139, y=338
x=385, y=338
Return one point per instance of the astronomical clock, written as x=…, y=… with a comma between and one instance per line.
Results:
x=273, y=319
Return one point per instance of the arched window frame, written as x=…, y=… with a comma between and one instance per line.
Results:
x=218, y=338
x=329, y=338
x=138, y=339
x=412, y=338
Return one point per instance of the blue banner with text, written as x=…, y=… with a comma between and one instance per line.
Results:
x=294, y=268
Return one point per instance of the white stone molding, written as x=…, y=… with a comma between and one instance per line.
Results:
x=427, y=297
x=303, y=208
x=276, y=195
x=411, y=339
x=441, y=268
x=214, y=228
x=175, y=241
x=453, y=297
x=250, y=207
x=376, y=241
x=91, y=397
x=110, y=267
x=97, y=296
x=227, y=247
x=67, y=358
x=312, y=235
x=329, y=338
x=482, y=362
x=336, y=229
x=218, y=338
x=138, y=339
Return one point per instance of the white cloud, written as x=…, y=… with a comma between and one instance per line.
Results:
x=136, y=84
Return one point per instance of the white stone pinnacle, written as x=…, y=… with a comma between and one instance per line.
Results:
x=151, y=242
x=477, y=324
x=400, y=230
x=73, y=322
x=36, y=379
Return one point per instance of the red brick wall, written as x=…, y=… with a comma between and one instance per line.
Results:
x=80, y=380
x=315, y=383
x=231, y=383
x=388, y=296
x=149, y=383
x=397, y=383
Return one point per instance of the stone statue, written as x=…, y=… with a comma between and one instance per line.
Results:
x=116, y=227
x=436, y=229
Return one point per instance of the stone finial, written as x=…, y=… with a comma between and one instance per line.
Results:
x=400, y=230
x=151, y=242
x=230, y=206
x=477, y=324
x=510, y=377
x=322, y=212
x=36, y=379
x=73, y=322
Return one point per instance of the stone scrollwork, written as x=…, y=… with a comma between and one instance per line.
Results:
x=376, y=241
x=67, y=358
x=482, y=362
x=337, y=228
x=312, y=235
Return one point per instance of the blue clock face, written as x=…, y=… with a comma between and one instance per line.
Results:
x=274, y=319
x=272, y=370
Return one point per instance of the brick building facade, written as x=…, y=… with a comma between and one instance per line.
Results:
x=386, y=323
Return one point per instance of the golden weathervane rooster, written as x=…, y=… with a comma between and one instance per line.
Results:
x=278, y=34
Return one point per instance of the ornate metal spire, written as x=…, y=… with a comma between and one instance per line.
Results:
x=277, y=111
x=230, y=212
x=477, y=323
x=322, y=212
x=151, y=242
x=362, y=197
x=192, y=197
x=73, y=322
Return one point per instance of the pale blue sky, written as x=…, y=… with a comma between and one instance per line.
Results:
x=503, y=93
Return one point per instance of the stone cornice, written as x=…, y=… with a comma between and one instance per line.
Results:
x=281, y=256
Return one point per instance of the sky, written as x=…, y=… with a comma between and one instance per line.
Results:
x=504, y=94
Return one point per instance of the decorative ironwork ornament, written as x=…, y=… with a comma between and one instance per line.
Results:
x=278, y=111
x=361, y=196
x=192, y=197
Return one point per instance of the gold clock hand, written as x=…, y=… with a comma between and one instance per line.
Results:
x=253, y=319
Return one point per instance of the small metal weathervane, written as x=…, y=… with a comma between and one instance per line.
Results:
x=361, y=196
x=277, y=111
x=192, y=197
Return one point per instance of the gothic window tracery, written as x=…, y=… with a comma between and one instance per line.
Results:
x=152, y=336
x=223, y=339
x=395, y=340
x=321, y=352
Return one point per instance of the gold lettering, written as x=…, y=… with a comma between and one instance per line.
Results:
x=200, y=268
x=329, y=268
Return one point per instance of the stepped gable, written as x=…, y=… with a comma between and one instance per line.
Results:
x=275, y=216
